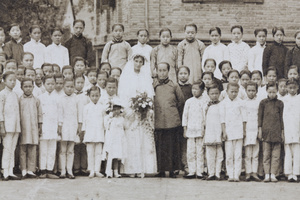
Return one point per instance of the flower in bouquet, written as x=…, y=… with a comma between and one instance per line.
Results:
x=141, y=104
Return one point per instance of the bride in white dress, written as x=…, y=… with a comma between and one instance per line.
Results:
x=141, y=154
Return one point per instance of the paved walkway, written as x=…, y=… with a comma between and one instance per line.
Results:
x=83, y=188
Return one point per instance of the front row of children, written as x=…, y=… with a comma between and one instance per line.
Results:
x=243, y=123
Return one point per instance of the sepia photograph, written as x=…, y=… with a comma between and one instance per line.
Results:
x=149, y=99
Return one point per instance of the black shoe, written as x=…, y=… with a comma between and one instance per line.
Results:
x=14, y=178
x=172, y=175
x=200, y=177
x=77, y=173
x=24, y=177
x=160, y=174
x=217, y=178
x=190, y=176
x=210, y=178
x=83, y=173
x=31, y=176
x=5, y=179
x=70, y=176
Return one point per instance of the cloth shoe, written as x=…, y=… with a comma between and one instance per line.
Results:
x=273, y=178
x=267, y=178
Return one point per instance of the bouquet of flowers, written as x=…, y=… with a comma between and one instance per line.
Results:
x=109, y=108
x=141, y=104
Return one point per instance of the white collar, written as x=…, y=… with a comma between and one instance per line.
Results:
x=216, y=44
x=34, y=41
x=239, y=42
x=141, y=45
x=56, y=44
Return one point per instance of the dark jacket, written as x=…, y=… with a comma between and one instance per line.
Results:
x=14, y=50
x=292, y=58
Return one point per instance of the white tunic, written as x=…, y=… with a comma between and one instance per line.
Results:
x=49, y=106
x=218, y=52
x=251, y=107
x=69, y=117
x=193, y=117
x=57, y=54
x=291, y=119
x=93, y=123
x=238, y=53
x=242, y=94
x=255, y=57
x=38, y=50
x=213, y=129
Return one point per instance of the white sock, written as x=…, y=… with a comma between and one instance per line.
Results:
x=24, y=172
x=273, y=176
x=5, y=173
x=10, y=172
x=30, y=172
x=267, y=176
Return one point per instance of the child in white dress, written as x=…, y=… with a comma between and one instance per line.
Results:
x=114, y=140
x=9, y=125
x=93, y=115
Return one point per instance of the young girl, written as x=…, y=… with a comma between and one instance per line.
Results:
x=193, y=126
x=167, y=121
x=55, y=53
x=250, y=142
x=114, y=141
x=35, y=46
x=48, y=69
x=183, y=82
x=210, y=66
x=238, y=50
x=68, y=71
x=281, y=88
x=216, y=50
x=59, y=84
x=70, y=122
x=225, y=66
x=118, y=51
x=79, y=65
x=116, y=73
x=291, y=118
x=143, y=48
x=31, y=122
x=48, y=137
x=271, y=131
x=213, y=134
x=9, y=125
x=27, y=60
x=105, y=67
x=233, y=77
x=207, y=78
x=274, y=55
x=56, y=69
x=30, y=73
x=190, y=52
x=165, y=53
x=101, y=83
x=38, y=79
x=93, y=126
x=256, y=77
x=245, y=77
x=293, y=55
x=14, y=47
x=233, y=121
x=92, y=79
x=256, y=53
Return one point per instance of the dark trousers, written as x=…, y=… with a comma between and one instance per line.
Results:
x=271, y=157
x=80, y=158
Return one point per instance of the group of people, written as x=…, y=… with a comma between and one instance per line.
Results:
x=200, y=107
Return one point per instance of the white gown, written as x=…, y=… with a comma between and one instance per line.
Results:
x=140, y=153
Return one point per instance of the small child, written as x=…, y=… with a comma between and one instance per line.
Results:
x=92, y=78
x=167, y=128
x=251, y=140
x=233, y=77
x=80, y=154
x=190, y=52
x=11, y=65
x=9, y=125
x=93, y=126
x=118, y=51
x=217, y=50
x=143, y=49
x=274, y=55
x=20, y=74
x=101, y=82
x=183, y=81
x=116, y=73
x=38, y=79
x=111, y=89
x=114, y=140
x=165, y=52
x=210, y=66
x=207, y=78
x=256, y=53
x=30, y=73
x=2, y=39
x=256, y=77
x=70, y=123
x=56, y=69
x=293, y=73
x=291, y=118
x=233, y=121
x=55, y=53
x=79, y=65
x=271, y=74
x=282, y=90
x=213, y=134
x=14, y=48
x=293, y=55
x=225, y=66
x=68, y=72
x=238, y=50
x=270, y=131
x=106, y=67
x=27, y=60
x=48, y=69
x=59, y=85
x=35, y=46
x=193, y=120
x=31, y=127
x=245, y=77
x=48, y=136
x=78, y=45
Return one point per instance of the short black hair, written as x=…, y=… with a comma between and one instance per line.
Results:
x=7, y=74
x=165, y=29
x=140, y=30
x=214, y=85
x=192, y=25
x=256, y=72
x=233, y=71
x=223, y=63
x=215, y=29
x=115, y=25
x=210, y=59
x=260, y=30
x=209, y=73
x=251, y=83
x=245, y=71
x=233, y=85
x=184, y=67
x=292, y=81
x=79, y=21
x=56, y=29
x=165, y=63
x=201, y=85
x=26, y=79
x=275, y=29
x=272, y=84
x=237, y=26
x=48, y=77
x=34, y=27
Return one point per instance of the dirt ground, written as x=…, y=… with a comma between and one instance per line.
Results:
x=83, y=188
